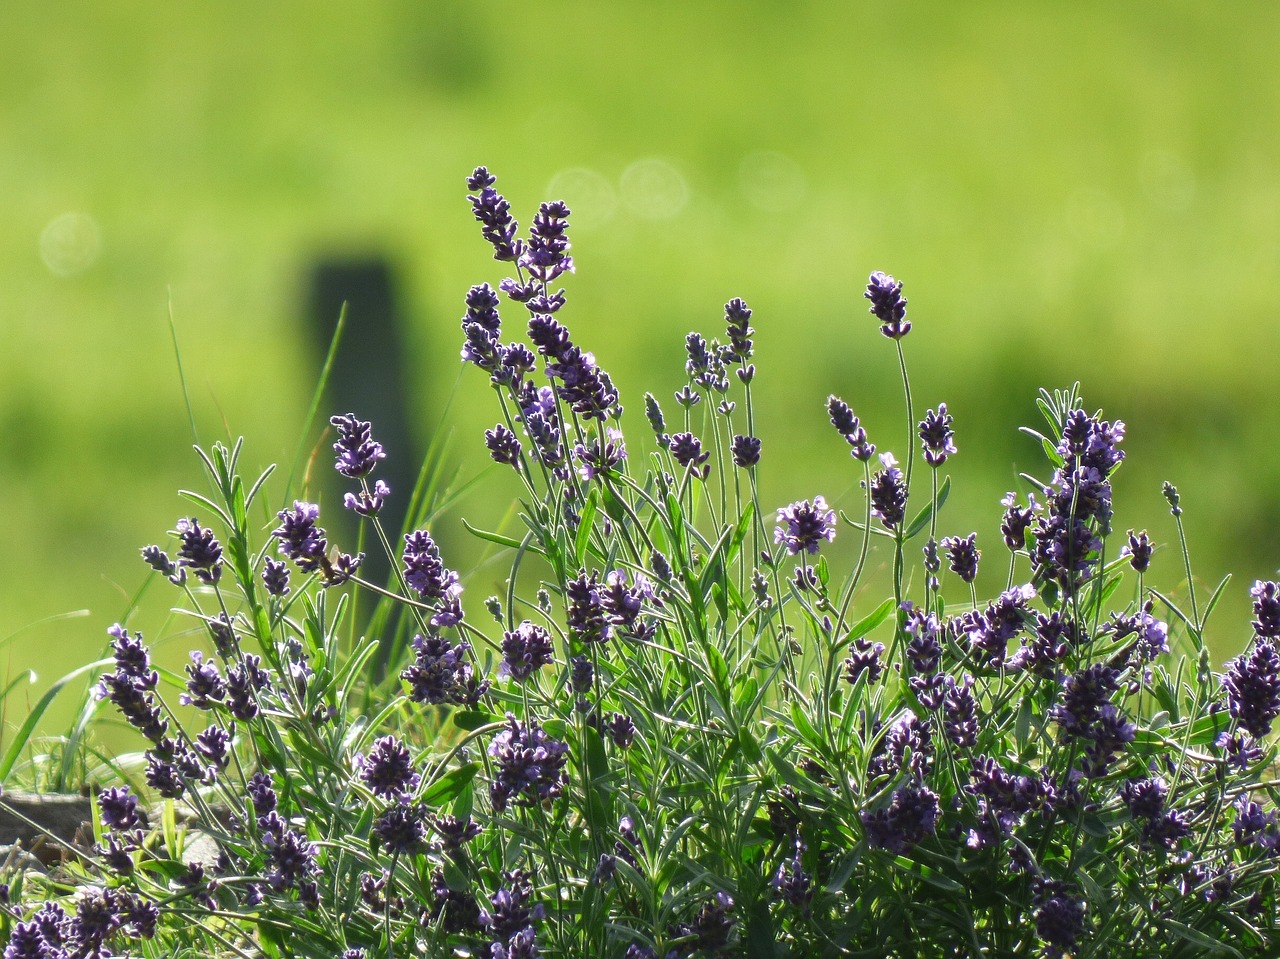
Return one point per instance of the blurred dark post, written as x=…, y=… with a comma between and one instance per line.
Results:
x=368, y=379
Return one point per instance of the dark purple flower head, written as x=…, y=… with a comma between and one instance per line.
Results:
x=910, y=818
x=686, y=449
x=888, y=492
x=424, y=571
x=205, y=685
x=291, y=859
x=1065, y=550
x=960, y=713
x=1091, y=442
x=588, y=619
x=244, y=682
x=907, y=746
x=545, y=255
x=924, y=649
x=454, y=833
x=493, y=213
x=864, y=657
x=388, y=769
x=524, y=651
x=705, y=364
x=713, y=926
x=802, y=526
x=159, y=560
x=791, y=884
x=888, y=305
x=1138, y=550
x=1144, y=797
x=581, y=674
x=1059, y=918
x=963, y=556
x=439, y=673
x=1266, y=607
x=503, y=445
x=1083, y=696
x=746, y=451
x=213, y=746
x=200, y=551
x=601, y=456
x=1252, y=685
x=1016, y=521
x=1151, y=636
x=530, y=765
x=366, y=502
x=736, y=315
x=275, y=577
x=261, y=794
x=938, y=437
x=358, y=452
x=402, y=829
x=300, y=538
x=119, y=809
x=848, y=426
x=621, y=729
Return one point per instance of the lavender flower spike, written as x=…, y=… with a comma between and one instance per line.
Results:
x=938, y=437
x=888, y=305
x=358, y=452
x=803, y=525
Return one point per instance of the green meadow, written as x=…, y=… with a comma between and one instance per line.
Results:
x=1088, y=193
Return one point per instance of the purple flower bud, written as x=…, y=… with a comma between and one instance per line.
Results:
x=524, y=651
x=802, y=526
x=1139, y=551
x=686, y=449
x=938, y=437
x=200, y=551
x=503, y=445
x=963, y=556
x=746, y=451
x=848, y=426
x=888, y=492
x=388, y=769
x=888, y=305
x=357, y=451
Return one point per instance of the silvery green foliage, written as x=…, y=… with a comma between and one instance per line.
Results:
x=682, y=738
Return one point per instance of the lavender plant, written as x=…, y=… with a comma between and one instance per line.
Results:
x=678, y=737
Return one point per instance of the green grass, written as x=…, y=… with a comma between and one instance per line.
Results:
x=1084, y=194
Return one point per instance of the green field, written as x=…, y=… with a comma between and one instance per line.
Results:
x=1068, y=194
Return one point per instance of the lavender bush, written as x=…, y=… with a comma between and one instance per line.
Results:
x=675, y=736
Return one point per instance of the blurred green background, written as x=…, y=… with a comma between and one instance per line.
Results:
x=1083, y=193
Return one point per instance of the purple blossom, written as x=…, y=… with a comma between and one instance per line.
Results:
x=439, y=674
x=792, y=885
x=848, y=426
x=524, y=651
x=275, y=577
x=1083, y=696
x=244, y=682
x=1059, y=917
x=300, y=538
x=159, y=560
x=119, y=809
x=581, y=674
x=938, y=437
x=1266, y=607
x=388, y=769
x=910, y=818
x=366, y=503
x=686, y=449
x=213, y=746
x=530, y=765
x=1016, y=521
x=713, y=926
x=545, y=255
x=960, y=713
x=802, y=526
x=746, y=451
x=621, y=729
x=261, y=794
x=888, y=305
x=963, y=556
x=358, y=452
x=494, y=215
x=401, y=828
x=1252, y=685
x=600, y=457
x=291, y=859
x=588, y=619
x=204, y=684
x=1139, y=550
x=736, y=317
x=864, y=657
x=424, y=571
x=924, y=649
x=200, y=551
x=503, y=445
x=454, y=832
x=888, y=492
x=990, y=631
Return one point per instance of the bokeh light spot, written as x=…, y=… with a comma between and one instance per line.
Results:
x=654, y=190
x=772, y=181
x=591, y=197
x=70, y=244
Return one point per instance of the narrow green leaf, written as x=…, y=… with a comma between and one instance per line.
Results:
x=29, y=724
x=871, y=620
x=500, y=539
x=449, y=786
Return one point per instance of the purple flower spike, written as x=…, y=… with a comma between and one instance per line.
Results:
x=937, y=435
x=963, y=556
x=888, y=491
x=358, y=452
x=368, y=503
x=888, y=305
x=1252, y=685
x=200, y=551
x=803, y=525
x=746, y=451
x=493, y=213
x=388, y=769
x=525, y=651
